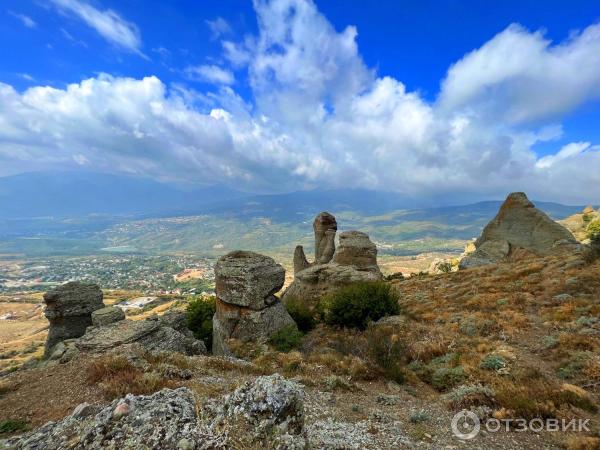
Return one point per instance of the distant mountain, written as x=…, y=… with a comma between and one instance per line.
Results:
x=76, y=194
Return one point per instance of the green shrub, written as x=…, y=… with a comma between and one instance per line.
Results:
x=200, y=312
x=12, y=426
x=593, y=229
x=301, y=314
x=493, y=362
x=355, y=305
x=447, y=377
x=419, y=417
x=286, y=339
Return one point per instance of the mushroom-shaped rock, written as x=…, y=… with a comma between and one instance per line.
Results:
x=248, y=279
x=246, y=307
x=69, y=310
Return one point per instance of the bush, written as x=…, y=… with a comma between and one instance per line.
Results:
x=301, y=314
x=12, y=426
x=493, y=362
x=467, y=396
x=286, y=339
x=447, y=377
x=593, y=230
x=200, y=312
x=355, y=305
x=386, y=350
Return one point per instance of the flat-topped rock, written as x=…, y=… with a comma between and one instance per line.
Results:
x=356, y=249
x=248, y=279
x=107, y=315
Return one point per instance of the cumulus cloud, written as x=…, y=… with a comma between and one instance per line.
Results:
x=520, y=76
x=210, y=74
x=110, y=25
x=320, y=117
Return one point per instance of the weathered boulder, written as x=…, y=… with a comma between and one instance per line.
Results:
x=107, y=315
x=150, y=334
x=354, y=260
x=246, y=307
x=166, y=419
x=268, y=405
x=69, y=310
x=519, y=225
x=248, y=279
x=357, y=250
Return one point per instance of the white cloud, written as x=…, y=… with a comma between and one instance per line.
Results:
x=210, y=73
x=520, y=76
x=321, y=117
x=218, y=27
x=25, y=20
x=110, y=25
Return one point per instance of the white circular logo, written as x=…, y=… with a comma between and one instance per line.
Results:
x=465, y=425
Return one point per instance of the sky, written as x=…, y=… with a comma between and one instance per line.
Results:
x=431, y=98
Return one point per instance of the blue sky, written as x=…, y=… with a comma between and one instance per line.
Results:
x=416, y=97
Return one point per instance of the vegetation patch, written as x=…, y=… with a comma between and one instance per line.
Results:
x=200, y=312
x=301, y=314
x=355, y=305
x=286, y=339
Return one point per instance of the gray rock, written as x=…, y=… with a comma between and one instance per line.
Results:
x=150, y=334
x=268, y=404
x=248, y=279
x=69, y=310
x=300, y=261
x=161, y=420
x=519, y=225
x=107, y=315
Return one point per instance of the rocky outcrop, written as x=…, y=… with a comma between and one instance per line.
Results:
x=354, y=260
x=69, y=310
x=107, y=315
x=246, y=306
x=267, y=405
x=519, y=225
x=151, y=334
x=166, y=419
x=268, y=412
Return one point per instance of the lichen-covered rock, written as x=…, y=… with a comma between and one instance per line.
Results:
x=269, y=404
x=248, y=279
x=164, y=420
x=107, y=315
x=150, y=334
x=69, y=310
x=519, y=225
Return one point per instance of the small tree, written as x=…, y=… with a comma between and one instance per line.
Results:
x=200, y=312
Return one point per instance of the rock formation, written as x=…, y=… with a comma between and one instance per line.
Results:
x=69, y=310
x=354, y=260
x=325, y=227
x=519, y=225
x=246, y=307
x=269, y=409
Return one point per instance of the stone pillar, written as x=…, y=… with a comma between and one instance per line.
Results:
x=69, y=310
x=246, y=307
x=325, y=227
